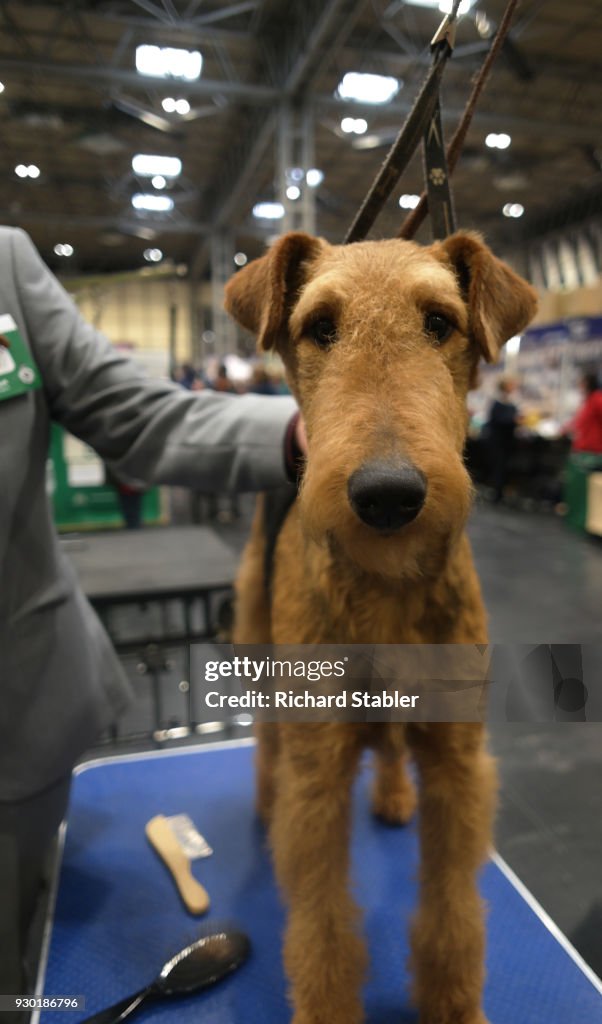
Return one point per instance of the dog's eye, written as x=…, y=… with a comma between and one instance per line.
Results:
x=438, y=326
x=324, y=332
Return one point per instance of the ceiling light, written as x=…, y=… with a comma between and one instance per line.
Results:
x=101, y=143
x=293, y=192
x=152, y=255
x=366, y=88
x=147, y=166
x=497, y=140
x=1, y=86
x=148, y=201
x=158, y=181
x=111, y=238
x=63, y=249
x=355, y=125
x=173, y=106
x=374, y=140
x=27, y=171
x=295, y=174
x=240, y=258
x=484, y=26
x=144, y=232
x=513, y=182
x=445, y=6
x=513, y=210
x=268, y=211
x=168, y=62
x=409, y=201
x=314, y=177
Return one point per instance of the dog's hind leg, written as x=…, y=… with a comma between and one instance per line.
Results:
x=394, y=794
x=457, y=798
x=324, y=955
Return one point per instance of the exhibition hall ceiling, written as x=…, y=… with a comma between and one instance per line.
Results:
x=89, y=85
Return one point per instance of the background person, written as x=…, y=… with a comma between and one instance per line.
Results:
x=586, y=425
x=500, y=429
x=222, y=382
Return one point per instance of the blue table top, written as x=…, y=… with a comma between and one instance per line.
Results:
x=118, y=917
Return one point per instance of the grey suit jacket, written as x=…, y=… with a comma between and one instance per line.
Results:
x=60, y=680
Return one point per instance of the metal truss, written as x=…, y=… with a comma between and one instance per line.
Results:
x=222, y=325
x=288, y=56
x=314, y=30
x=295, y=151
x=121, y=224
x=105, y=74
x=164, y=15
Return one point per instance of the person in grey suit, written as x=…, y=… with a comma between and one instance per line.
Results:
x=60, y=680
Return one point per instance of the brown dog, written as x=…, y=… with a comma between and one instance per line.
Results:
x=381, y=342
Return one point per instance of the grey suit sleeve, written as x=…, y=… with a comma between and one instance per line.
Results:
x=148, y=431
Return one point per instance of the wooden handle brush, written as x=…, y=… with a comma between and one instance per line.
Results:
x=160, y=835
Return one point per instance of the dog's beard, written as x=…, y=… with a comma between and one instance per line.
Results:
x=416, y=551
x=397, y=557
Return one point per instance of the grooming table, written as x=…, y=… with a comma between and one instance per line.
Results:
x=151, y=564
x=117, y=916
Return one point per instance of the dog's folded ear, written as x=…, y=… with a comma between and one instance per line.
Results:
x=262, y=294
x=500, y=303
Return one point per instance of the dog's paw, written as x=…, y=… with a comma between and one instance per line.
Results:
x=395, y=807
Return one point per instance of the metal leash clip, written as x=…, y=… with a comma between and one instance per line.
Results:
x=446, y=32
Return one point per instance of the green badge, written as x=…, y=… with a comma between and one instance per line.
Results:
x=18, y=372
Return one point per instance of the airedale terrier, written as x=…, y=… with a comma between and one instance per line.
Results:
x=381, y=342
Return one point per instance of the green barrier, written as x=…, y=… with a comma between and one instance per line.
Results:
x=81, y=498
x=579, y=466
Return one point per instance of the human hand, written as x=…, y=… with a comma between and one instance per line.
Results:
x=301, y=435
x=295, y=447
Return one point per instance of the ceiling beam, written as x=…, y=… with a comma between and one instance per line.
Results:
x=261, y=94
x=118, y=223
x=124, y=225
x=244, y=92
x=167, y=15
x=468, y=57
x=298, y=52
x=192, y=29
x=554, y=129
x=583, y=208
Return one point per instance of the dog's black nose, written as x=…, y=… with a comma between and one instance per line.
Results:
x=386, y=495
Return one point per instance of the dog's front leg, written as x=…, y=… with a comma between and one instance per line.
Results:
x=266, y=768
x=457, y=797
x=324, y=955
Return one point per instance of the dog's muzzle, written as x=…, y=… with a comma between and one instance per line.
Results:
x=385, y=495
